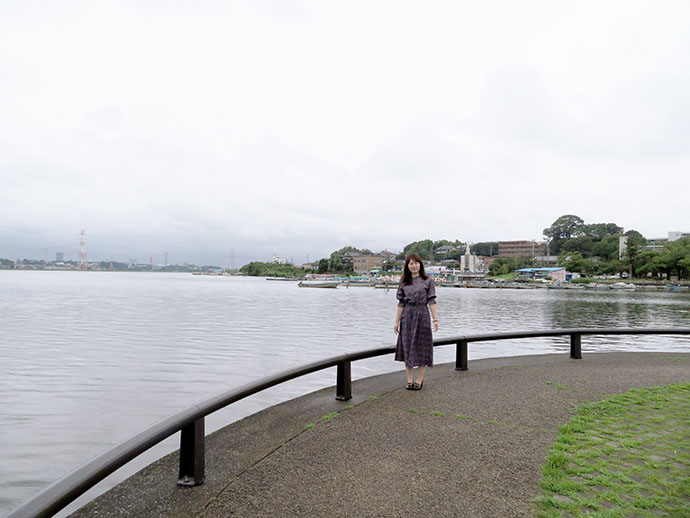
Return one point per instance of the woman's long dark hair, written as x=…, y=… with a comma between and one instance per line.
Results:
x=407, y=274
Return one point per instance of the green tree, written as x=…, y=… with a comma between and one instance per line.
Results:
x=259, y=269
x=634, y=247
x=564, y=228
x=598, y=231
x=650, y=262
x=614, y=267
x=581, y=244
x=505, y=265
x=424, y=248
x=443, y=242
x=255, y=269
x=675, y=255
x=323, y=266
x=635, y=234
x=575, y=262
x=501, y=266
x=572, y=261
x=607, y=248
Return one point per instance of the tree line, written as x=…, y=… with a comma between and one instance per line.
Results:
x=594, y=249
x=589, y=249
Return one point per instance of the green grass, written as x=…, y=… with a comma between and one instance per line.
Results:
x=628, y=455
x=557, y=385
x=505, y=276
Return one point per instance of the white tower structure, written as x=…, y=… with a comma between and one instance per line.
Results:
x=468, y=262
x=622, y=246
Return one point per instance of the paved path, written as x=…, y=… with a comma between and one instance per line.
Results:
x=392, y=452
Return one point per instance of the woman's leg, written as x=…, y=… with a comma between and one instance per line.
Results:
x=409, y=374
x=420, y=374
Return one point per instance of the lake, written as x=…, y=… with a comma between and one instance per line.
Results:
x=89, y=358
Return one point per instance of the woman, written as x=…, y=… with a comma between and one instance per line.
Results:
x=415, y=345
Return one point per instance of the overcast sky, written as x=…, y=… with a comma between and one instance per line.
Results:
x=219, y=129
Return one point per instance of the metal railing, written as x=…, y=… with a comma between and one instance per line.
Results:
x=190, y=422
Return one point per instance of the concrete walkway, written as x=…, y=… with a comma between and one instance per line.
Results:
x=468, y=444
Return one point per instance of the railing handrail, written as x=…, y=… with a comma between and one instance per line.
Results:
x=67, y=489
x=510, y=335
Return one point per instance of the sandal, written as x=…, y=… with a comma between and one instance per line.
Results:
x=418, y=386
x=410, y=386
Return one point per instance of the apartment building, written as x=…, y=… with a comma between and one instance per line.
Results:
x=366, y=263
x=521, y=248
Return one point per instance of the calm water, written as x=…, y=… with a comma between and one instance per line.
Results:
x=87, y=358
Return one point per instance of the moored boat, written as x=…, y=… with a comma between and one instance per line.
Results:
x=622, y=286
x=318, y=284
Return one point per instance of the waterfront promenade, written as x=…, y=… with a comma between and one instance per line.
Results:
x=468, y=444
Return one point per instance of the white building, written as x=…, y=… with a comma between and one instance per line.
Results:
x=470, y=262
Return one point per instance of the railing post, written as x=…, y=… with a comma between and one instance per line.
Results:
x=576, y=346
x=343, y=389
x=461, y=355
x=192, y=454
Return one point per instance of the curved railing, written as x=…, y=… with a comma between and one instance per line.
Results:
x=190, y=422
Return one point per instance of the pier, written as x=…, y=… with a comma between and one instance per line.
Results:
x=469, y=444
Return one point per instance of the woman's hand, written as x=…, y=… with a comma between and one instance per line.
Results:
x=435, y=326
x=395, y=328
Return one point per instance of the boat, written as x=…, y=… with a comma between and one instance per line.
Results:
x=318, y=284
x=676, y=287
x=622, y=286
x=364, y=282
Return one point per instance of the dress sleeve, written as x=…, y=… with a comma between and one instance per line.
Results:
x=400, y=295
x=431, y=292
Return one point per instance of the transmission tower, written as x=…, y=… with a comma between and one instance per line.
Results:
x=82, y=250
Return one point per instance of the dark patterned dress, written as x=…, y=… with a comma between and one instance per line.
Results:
x=415, y=344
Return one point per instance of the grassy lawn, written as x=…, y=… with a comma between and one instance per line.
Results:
x=625, y=456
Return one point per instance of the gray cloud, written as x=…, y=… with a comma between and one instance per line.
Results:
x=296, y=128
